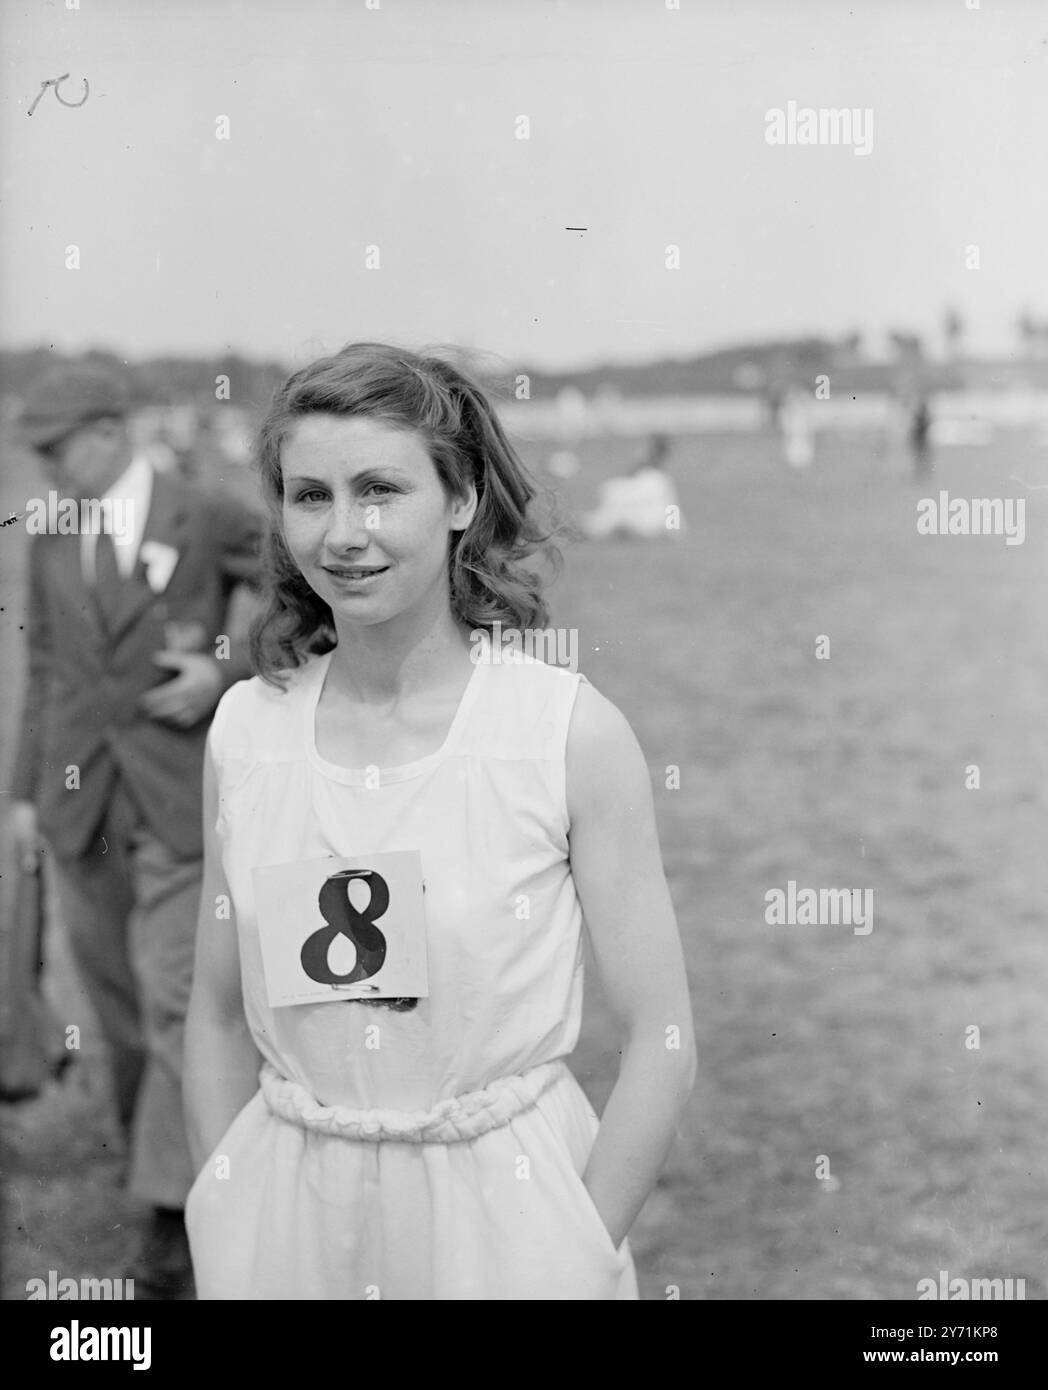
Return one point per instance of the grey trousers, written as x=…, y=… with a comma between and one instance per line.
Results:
x=130, y=909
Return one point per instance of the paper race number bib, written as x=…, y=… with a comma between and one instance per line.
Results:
x=334, y=929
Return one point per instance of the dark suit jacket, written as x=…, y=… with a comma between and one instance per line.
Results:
x=85, y=680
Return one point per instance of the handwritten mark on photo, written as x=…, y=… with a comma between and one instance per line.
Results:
x=56, y=83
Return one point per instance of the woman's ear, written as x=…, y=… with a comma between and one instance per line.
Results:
x=464, y=508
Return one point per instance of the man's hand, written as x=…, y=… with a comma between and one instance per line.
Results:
x=193, y=693
x=24, y=836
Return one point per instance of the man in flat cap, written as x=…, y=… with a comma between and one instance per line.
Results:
x=129, y=652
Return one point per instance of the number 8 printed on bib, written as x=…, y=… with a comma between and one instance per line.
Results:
x=335, y=929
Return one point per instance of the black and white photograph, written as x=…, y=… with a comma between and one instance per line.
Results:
x=524, y=522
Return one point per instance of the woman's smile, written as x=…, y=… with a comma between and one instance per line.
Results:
x=355, y=576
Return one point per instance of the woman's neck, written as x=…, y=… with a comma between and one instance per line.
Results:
x=383, y=662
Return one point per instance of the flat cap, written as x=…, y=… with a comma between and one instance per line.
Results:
x=67, y=397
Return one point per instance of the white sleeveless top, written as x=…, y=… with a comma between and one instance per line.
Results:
x=485, y=1199
x=488, y=815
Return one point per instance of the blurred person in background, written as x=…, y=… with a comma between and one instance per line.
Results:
x=638, y=504
x=129, y=652
x=796, y=428
x=918, y=431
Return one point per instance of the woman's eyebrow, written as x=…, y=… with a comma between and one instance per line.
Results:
x=385, y=470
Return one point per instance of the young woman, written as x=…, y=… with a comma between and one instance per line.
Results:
x=391, y=790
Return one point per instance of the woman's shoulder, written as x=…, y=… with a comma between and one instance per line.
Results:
x=554, y=708
x=529, y=703
x=538, y=670
x=257, y=714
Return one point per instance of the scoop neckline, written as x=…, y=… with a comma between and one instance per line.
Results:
x=403, y=772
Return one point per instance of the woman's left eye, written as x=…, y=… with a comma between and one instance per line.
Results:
x=383, y=488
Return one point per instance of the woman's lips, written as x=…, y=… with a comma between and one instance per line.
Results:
x=355, y=571
x=356, y=576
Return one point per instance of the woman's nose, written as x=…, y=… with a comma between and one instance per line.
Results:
x=346, y=528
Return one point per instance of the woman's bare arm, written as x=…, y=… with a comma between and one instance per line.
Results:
x=618, y=873
x=221, y=1061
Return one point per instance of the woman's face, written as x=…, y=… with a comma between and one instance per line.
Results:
x=366, y=517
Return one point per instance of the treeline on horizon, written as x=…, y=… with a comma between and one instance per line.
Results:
x=748, y=369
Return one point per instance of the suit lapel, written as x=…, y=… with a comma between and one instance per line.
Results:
x=166, y=522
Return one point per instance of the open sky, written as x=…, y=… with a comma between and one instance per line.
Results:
x=397, y=127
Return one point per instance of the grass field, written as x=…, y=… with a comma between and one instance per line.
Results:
x=845, y=773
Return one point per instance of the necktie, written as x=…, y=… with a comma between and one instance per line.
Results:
x=108, y=584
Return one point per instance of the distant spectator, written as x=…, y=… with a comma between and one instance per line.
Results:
x=918, y=432
x=795, y=429
x=640, y=503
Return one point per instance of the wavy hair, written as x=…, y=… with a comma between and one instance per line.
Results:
x=488, y=580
